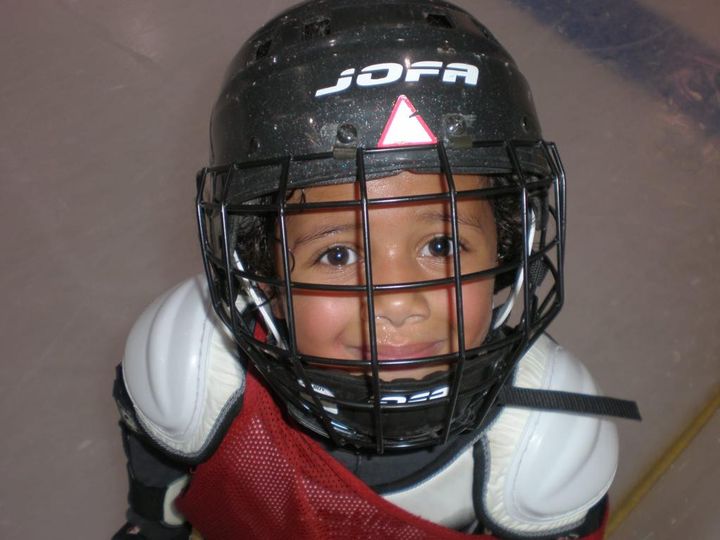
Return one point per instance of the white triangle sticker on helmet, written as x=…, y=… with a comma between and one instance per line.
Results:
x=405, y=127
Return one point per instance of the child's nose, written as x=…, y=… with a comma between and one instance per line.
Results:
x=401, y=308
x=398, y=307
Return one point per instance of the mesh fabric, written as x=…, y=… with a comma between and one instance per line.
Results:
x=270, y=481
x=267, y=480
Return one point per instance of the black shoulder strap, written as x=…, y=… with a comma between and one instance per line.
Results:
x=555, y=400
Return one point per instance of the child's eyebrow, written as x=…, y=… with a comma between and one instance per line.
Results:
x=470, y=220
x=429, y=216
x=323, y=232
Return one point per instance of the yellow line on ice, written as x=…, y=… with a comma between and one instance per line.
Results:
x=659, y=468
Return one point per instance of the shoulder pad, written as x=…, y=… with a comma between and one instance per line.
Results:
x=181, y=371
x=444, y=497
x=544, y=469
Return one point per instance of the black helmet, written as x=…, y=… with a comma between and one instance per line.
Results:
x=341, y=92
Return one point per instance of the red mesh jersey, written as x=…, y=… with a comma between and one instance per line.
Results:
x=270, y=481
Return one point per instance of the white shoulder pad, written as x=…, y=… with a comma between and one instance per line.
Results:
x=446, y=496
x=181, y=370
x=545, y=469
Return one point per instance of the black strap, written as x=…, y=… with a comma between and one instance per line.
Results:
x=148, y=501
x=554, y=400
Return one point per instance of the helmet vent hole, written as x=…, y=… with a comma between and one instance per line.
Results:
x=316, y=28
x=438, y=20
x=262, y=50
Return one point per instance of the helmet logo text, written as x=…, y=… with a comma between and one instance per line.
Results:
x=401, y=399
x=389, y=72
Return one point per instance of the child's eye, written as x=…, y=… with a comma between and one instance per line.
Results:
x=338, y=256
x=440, y=246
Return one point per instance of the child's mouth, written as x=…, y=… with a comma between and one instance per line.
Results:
x=395, y=360
x=396, y=353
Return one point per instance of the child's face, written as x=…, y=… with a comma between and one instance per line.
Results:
x=409, y=242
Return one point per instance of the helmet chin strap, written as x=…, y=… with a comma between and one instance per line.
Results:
x=503, y=312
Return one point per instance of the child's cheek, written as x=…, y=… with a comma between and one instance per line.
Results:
x=477, y=311
x=325, y=325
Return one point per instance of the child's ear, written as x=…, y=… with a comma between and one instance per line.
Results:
x=274, y=298
x=278, y=307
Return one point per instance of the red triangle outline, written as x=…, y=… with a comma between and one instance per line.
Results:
x=404, y=99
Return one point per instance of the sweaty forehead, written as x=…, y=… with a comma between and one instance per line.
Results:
x=403, y=184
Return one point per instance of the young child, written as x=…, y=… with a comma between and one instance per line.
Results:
x=382, y=229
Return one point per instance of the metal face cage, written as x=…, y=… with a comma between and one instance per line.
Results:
x=249, y=266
